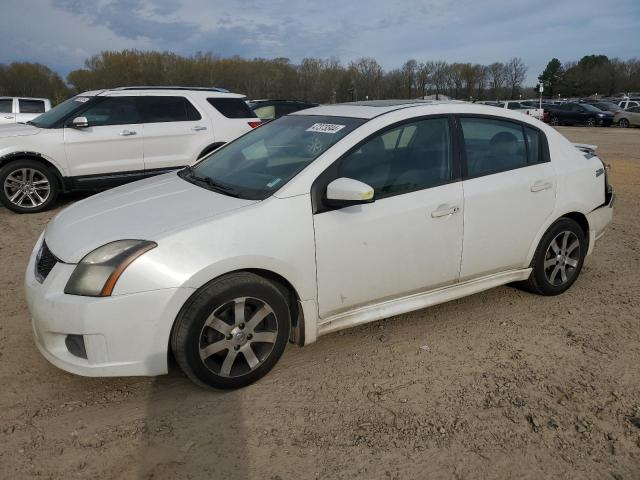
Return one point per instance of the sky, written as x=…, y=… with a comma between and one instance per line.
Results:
x=63, y=33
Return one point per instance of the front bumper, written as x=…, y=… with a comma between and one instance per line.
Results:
x=123, y=335
x=604, y=122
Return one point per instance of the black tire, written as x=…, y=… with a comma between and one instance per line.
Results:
x=555, y=121
x=539, y=281
x=10, y=176
x=623, y=123
x=191, y=334
x=591, y=122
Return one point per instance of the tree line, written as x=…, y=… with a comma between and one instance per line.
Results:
x=322, y=80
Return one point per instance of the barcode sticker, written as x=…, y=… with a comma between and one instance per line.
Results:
x=325, y=128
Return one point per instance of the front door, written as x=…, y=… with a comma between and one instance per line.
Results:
x=410, y=239
x=112, y=144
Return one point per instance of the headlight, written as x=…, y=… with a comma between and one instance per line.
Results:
x=98, y=272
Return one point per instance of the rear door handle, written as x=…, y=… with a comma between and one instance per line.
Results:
x=539, y=186
x=445, y=211
x=198, y=128
x=127, y=133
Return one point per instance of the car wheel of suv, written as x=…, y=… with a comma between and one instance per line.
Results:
x=591, y=122
x=232, y=331
x=28, y=186
x=555, y=121
x=623, y=123
x=558, y=258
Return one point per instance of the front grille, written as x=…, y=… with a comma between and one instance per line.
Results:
x=45, y=261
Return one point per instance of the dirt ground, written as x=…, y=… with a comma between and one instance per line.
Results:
x=502, y=384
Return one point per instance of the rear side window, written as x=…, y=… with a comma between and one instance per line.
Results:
x=232, y=107
x=168, y=109
x=492, y=146
x=31, y=106
x=5, y=105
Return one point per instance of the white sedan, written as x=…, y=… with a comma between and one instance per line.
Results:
x=328, y=218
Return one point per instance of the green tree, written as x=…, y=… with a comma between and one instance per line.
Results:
x=551, y=77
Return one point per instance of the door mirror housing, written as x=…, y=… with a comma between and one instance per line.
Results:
x=79, y=122
x=344, y=192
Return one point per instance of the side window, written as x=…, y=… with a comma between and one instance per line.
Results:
x=113, y=111
x=160, y=109
x=410, y=157
x=533, y=145
x=268, y=112
x=514, y=106
x=6, y=105
x=232, y=107
x=492, y=146
x=31, y=106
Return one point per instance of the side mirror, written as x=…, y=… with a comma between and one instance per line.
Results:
x=79, y=122
x=343, y=192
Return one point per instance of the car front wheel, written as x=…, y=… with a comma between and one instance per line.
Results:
x=591, y=122
x=232, y=331
x=558, y=258
x=28, y=186
x=623, y=123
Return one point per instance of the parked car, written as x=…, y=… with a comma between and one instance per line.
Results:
x=628, y=118
x=22, y=109
x=105, y=138
x=534, y=112
x=268, y=110
x=628, y=103
x=321, y=220
x=604, y=106
x=573, y=113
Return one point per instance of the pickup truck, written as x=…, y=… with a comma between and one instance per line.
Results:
x=22, y=109
x=523, y=108
x=573, y=113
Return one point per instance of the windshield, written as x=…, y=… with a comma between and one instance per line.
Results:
x=260, y=162
x=51, y=118
x=611, y=107
x=591, y=108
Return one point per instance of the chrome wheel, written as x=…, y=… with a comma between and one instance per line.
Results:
x=238, y=337
x=562, y=258
x=27, y=187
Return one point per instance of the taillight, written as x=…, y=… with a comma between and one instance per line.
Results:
x=255, y=124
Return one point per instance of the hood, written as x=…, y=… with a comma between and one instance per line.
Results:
x=140, y=210
x=17, y=130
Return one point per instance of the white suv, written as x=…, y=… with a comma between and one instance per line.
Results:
x=317, y=221
x=22, y=109
x=101, y=139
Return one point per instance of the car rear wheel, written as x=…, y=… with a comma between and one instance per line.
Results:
x=232, y=331
x=28, y=186
x=555, y=121
x=623, y=123
x=591, y=122
x=558, y=259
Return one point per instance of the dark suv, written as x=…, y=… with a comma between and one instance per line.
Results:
x=572, y=113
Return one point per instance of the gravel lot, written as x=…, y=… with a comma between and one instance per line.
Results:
x=503, y=384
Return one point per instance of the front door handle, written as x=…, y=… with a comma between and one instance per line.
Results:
x=9, y=117
x=127, y=133
x=198, y=128
x=539, y=186
x=444, y=211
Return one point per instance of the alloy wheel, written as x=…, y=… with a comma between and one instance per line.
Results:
x=624, y=123
x=238, y=337
x=591, y=122
x=555, y=121
x=27, y=187
x=562, y=258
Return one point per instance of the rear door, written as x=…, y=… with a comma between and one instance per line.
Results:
x=509, y=192
x=175, y=132
x=112, y=145
x=7, y=114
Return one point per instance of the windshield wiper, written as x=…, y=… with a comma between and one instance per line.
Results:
x=220, y=187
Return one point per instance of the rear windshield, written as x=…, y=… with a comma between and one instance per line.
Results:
x=260, y=162
x=232, y=107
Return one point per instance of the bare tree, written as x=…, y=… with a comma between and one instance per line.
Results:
x=497, y=75
x=516, y=71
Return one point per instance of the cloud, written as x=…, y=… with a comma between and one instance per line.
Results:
x=63, y=33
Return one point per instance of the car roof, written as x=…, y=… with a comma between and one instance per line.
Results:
x=371, y=108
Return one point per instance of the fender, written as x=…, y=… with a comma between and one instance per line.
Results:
x=57, y=169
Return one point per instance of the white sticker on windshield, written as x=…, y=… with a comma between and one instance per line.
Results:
x=81, y=99
x=273, y=183
x=325, y=128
